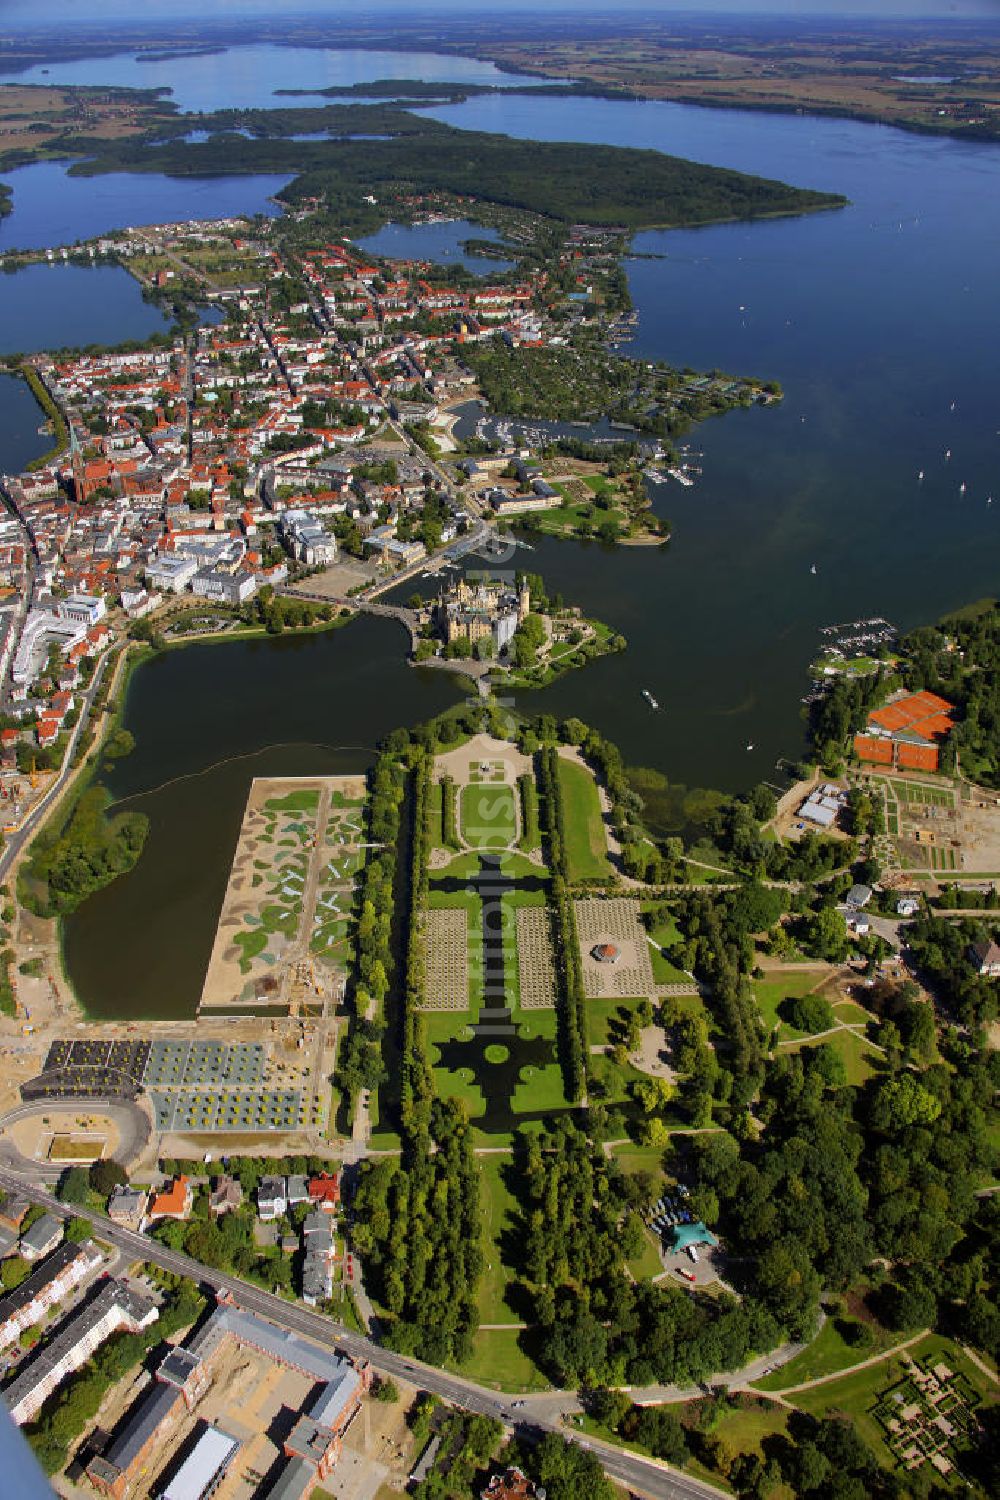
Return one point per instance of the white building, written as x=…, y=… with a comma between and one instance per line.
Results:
x=48, y=1285
x=82, y=609
x=116, y=1306
x=171, y=573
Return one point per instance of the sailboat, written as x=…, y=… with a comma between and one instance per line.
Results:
x=920, y=477
x=961, y=488
x=813, y=569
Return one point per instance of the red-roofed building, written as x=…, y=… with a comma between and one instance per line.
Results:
x=174, y=1203
x=324, y=1192
x=905, y=732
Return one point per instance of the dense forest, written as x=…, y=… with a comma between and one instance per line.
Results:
x=420, y=1233
x=595, y=184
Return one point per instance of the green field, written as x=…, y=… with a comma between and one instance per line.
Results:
x=499, y=1214
x=860, y=1058
x=499, y=1361
x=770, y=993
x=489, y=816
x=586, y=841
x=828, y=1353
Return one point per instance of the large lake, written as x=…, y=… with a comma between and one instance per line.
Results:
x=879, y=320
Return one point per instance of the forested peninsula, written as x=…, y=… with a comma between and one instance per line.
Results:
x=602, y=185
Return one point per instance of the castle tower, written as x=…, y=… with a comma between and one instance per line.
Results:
x=523, y=604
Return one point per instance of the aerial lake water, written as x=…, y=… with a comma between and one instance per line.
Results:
x=879, y=320
x=441, y=242
x=51, y=207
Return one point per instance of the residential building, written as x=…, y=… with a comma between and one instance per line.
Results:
x=173, y=1203
x=297, y=1190
x=43, y=1236
x=116, y=1306
x=272, y=1198
x=222, y=587
x=226, y=1196
x=512, y=1484
x=324, y=1191
x=171, y=574
x=127, y=1205
x=48, y=1285
x=985, y=956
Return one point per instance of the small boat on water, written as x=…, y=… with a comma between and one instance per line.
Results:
x=681, y=477
x=961, y=488
x=920, y=477
x=813, y=570
x=649, y=698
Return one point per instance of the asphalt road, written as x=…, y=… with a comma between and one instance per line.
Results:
x=134, y=1129
x=644, y=1476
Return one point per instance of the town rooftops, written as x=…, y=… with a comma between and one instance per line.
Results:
x=296, y=1479
x=44, y=1274
x=324, y=1190
x=177, y=1367
x=859, y=896
x=987, y=954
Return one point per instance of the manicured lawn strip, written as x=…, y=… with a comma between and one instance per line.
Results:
x=499, y=1211
x=489, y=817
x=648, y=1264
x=434, y=815
x=540, y=1089
x=499, y=1361
x=586, y=842
x=852, y=1013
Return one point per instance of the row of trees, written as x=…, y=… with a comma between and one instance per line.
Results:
x=359, y=1063
x=418, y=1228
x=572, y=1008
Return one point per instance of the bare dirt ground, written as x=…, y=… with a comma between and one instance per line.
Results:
x=483, y=747
x=336, y=581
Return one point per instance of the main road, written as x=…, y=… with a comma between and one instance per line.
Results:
x=645, y=1476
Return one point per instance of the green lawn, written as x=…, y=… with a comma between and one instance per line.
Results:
x=648, y=1159
x=647, y=1264
x=489, y=817
x=856, y=1394
x=499, y=1361
x=771, y=992
x=499, y=1208
x=602, y=1013
x=827, y=1353
x=586, y=841
x=860, y=1059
